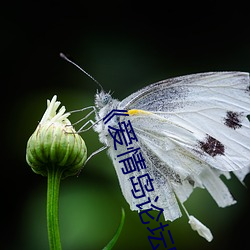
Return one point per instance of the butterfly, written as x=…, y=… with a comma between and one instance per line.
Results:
x=191, y=130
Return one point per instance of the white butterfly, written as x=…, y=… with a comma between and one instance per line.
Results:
x=190, y=130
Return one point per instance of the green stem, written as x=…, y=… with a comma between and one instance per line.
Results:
x=54, y=177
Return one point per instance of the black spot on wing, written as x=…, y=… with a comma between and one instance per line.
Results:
x=212, y=146
x=191, y=181
x=248, y=89
x=233, y=119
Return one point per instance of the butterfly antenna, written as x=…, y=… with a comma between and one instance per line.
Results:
x=86, y=73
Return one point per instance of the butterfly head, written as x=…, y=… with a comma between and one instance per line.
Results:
x=102, y=99
x=104, y=104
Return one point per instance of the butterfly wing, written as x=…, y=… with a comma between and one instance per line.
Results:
x=211, y=106
x=161, y=183
x=191, y=130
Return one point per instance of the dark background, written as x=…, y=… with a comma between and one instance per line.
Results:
x=125, y=45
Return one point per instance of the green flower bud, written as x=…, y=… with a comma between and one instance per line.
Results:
x=55, y=144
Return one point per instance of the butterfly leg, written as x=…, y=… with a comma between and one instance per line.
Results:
x=96, y=152
x=91, y=155
x=83, y=127
x=86, y=116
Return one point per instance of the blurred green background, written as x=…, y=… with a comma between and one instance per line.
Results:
x=125, y=47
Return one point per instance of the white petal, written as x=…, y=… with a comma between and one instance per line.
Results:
x=202, y=230
x=48, y=113
x=51, y=114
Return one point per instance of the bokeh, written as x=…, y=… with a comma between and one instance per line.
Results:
x=125, y=47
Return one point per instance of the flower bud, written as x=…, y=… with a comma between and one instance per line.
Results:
x=55, y=144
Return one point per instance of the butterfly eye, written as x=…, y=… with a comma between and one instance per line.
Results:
x=102, y=99
x=106, y=98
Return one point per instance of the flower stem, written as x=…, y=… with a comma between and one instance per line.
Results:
x=54, y=177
